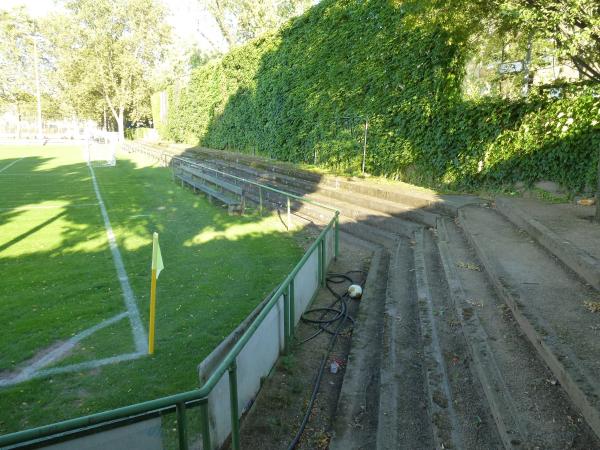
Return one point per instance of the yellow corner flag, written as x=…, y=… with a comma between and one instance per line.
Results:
x=157, y=267
x=157, y=262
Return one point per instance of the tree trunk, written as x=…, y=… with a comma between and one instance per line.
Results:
x=121, y=125
x=527, y=79
x=218, y=12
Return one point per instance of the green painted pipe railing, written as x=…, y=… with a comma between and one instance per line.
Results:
x=71, y=428
x=166, y=157
x=288, y=195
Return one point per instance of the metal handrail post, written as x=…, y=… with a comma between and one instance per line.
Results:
x=204, y=425
x=286, y=321
x=336, y=232
x=182, y=426
x=319, y=263
x=292, y=300
x=324, y=260
x=233, y=397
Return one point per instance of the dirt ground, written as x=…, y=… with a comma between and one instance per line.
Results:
x=275, y=417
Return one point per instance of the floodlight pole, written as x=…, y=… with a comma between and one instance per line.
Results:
x=37, y=89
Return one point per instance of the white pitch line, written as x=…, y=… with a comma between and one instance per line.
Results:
x=89, y=364
x=34, y=370
x=12, y=164
x=139, y=334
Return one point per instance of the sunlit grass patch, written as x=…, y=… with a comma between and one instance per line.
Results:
x=60, y=279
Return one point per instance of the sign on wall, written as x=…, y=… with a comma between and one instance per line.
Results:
x=511, y=67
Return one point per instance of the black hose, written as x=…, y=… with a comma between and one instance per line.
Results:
x=335, y=278
x=324, y=324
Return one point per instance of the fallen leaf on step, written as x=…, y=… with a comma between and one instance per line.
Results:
x=586, y=201
x=475, y=303
x=592, y=306
x=470, y=266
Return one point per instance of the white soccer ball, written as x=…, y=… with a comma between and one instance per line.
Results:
x=355, y=291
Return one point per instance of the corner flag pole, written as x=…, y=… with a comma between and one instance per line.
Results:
x=157, y=266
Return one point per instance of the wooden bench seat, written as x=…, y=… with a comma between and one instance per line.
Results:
x=202, y=182
x=233, y=188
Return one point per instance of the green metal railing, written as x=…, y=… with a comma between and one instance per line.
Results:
x=70, y=429
x=265, y=187
x=167, y=159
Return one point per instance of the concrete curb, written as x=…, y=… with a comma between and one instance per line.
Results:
x=584, y=265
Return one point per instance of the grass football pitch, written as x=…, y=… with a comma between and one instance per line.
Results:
x=67, y=344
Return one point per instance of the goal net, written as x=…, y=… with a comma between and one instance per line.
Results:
x=100, y=149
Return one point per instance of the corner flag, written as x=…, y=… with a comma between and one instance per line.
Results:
x=157, y=267
x=157, y=262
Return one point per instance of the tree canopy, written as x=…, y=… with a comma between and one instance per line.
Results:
x=17, y=35
x=106, y=52
x=242, y=20
x=573, y=24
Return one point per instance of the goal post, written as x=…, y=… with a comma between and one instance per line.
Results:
x=100, y=148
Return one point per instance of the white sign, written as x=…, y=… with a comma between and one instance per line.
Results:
x=555, y=92
x=511, y=67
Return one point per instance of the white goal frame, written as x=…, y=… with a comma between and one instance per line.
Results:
x=100, y=148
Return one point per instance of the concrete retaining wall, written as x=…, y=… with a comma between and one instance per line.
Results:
x=259, y=355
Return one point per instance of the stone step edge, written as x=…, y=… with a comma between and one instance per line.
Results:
x=440, y=402
x=364, y=351
x=375, y=234
x=577, y=259
x=350, y=211
x=428, y=204
x=568, y=380
x=484, y=365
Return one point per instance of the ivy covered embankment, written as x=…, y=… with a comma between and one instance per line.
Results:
x=302, y=94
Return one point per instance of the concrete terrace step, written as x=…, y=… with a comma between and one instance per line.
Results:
x=362, y=230
x=329, y=194
x=399, y=225
x=547, y=301
x=397, y=192
x=355, y=422
x=402, y=412
x=504, y=361
x=368, y=231
x=357, y=212
x=460, y=412
x=565, y=230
